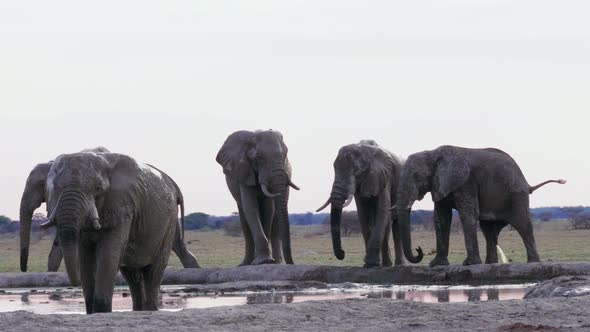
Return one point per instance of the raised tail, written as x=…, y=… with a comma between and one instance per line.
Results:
x=533, y=188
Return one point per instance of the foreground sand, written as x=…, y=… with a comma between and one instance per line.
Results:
x=553, y=314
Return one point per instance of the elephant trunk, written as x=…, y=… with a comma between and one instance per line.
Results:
x=340, y=197
x=25, y=217
x=70, y=212
x=282, y=210
x=404, y=231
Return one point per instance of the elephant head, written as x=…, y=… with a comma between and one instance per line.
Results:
x=362, y=168
x=440, y=172
x=77, y=187
x=33, y=196
x=260, y=158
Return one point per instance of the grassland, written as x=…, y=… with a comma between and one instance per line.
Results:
x=312, y=245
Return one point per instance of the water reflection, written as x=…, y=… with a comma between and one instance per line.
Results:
x=50, y=301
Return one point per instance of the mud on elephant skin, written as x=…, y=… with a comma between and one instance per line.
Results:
x=485, y=186
x=258, y=175
x=111, y=213
x=370, y=174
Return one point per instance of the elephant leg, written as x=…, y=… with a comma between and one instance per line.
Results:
x=249, y=248
x=109, y=251
x=521, y=221
x=55, y=256
x=250, y=207
x=271, y=227
x=153, y=274
x=275, y=239
x=489, y=230
x=443, y=215
x=87, y=255
x=134, y=278
x=187, y=259
x=362, y=211
x=381, y=220
x=385, y=252
x=397, y=244
x=469, y=213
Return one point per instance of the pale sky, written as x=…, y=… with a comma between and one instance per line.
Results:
x=167, y=81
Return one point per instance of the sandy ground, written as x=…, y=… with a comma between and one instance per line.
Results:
x=552, y=314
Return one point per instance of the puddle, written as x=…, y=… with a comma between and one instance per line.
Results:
x=70, y=301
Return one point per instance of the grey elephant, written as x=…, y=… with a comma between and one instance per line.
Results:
x=370, y=174
x=258, y=175
x=34, y=195
x=484, y=185
x=112, y=213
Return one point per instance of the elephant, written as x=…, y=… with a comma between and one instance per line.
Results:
x=484, y=185
x=34, y=195
x=112, y=213
x=258, y=175
x=370, y=174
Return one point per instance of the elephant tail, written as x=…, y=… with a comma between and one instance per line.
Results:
x=179, y=198
x=533, y=188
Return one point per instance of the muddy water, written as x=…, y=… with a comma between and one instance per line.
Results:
x=70, y=301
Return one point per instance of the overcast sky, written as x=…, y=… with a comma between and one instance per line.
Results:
x=167, y=81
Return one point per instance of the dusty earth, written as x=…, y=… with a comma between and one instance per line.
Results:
x=544, y=314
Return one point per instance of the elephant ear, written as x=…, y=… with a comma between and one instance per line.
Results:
x=123, y=172
x=34, y=194
x=233, y=157
x=451, y=172
x=380, y=171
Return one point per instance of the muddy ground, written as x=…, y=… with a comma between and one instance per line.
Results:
x=552, y=314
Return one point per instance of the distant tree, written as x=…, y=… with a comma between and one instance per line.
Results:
x=5, y=220
x=233, y=227
x=349, y=223
x=196, y=220
x=545, y=215
x=580, y=220
x=422, y=219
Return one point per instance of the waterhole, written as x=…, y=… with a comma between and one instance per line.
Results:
x=71, y=301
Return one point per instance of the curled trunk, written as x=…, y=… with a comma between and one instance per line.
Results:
x=404, y=231
x=341, y=195
x=335, y=217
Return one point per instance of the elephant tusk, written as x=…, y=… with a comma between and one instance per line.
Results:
x=348, y=200
x=393, y=208
x=266, y=192
x=293, y=185
x=96, y=224
x=323, y=206
x=49, y=223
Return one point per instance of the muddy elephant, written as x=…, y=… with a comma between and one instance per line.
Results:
x=483, y=185
x=112, y=213
x=258, y=175
x=34, y=195
x=370, y=174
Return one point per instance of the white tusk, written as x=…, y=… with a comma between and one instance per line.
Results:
x=348, y=200
x=323, y=206
x=293, y=185
x=96, y=224
x=49, y=223
x=266, y=192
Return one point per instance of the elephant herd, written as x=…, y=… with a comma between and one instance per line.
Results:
x=114, y=213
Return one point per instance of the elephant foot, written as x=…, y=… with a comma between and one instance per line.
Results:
x=263, y=260
x=472, y=261
x=388, y=264
x=438, y=261
x=371, y=266
x=399, y=262
x=491, y=260
x=533, y=260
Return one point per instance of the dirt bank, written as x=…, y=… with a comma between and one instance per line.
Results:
x=553, y=314
x=412, y=274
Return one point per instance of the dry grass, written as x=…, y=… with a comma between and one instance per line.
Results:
x=312, y=245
